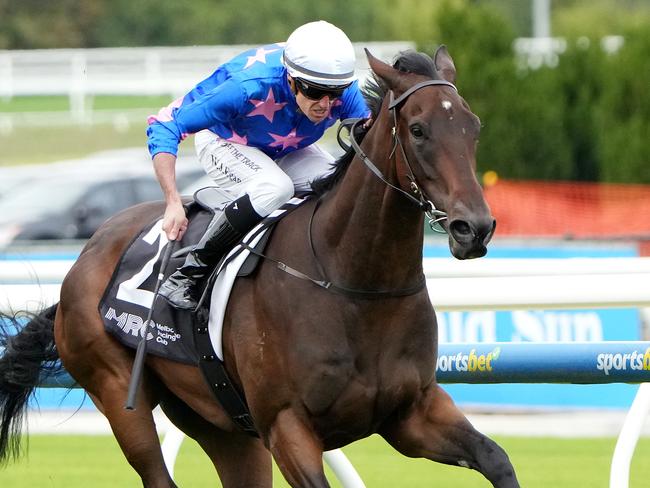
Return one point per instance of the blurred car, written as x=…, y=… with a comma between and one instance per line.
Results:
x=73, y=207
x=200, y=182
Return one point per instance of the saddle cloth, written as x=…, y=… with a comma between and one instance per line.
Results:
x=129, y=295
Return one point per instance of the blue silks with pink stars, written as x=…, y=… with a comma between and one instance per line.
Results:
x=248, y=101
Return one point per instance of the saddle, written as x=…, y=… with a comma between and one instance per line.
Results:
x=174, y=334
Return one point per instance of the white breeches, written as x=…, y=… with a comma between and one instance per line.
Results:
x=240, y=170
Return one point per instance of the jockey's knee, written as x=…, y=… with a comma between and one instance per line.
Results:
x=271, y=194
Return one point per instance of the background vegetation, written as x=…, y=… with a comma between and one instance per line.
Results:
x=586, y=119
x=30, y=24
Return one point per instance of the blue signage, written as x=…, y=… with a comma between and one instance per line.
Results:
x=550, y=326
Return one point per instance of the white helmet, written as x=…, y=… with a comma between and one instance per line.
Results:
x=321, y=53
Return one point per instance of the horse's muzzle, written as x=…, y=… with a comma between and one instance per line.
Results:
x=468, y=239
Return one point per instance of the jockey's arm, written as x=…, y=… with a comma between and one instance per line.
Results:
x=174, y=222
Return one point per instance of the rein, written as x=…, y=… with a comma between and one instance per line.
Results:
x=353, y=292
x=324, y=282
x=434, y=215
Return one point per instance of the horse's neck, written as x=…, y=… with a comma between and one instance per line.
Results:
x=371, y=234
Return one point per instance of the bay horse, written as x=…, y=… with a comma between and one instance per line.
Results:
x=319, y=368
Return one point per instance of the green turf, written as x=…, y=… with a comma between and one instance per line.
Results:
x=38, y=145
x=84, y=461
x=27, y=145
x=60, y=103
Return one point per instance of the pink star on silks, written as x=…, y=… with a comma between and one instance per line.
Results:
x=260, y=55
x=267, y=107
x=290, y=140
x=237, y=139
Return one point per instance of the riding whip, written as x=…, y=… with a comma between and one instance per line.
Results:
x=141, y=352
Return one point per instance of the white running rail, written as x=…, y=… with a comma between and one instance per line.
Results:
x=15, y=271
x=491, y=293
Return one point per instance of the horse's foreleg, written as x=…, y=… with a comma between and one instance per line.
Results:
x=297, y=451
x=436, y=429
x=242, y=461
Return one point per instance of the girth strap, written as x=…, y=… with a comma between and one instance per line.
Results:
x=214, y=373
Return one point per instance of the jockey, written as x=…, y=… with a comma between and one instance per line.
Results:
x=256, y=120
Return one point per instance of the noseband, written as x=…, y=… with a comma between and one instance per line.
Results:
x=434, y=215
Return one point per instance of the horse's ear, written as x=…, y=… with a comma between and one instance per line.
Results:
x=444, y=64
x=385, y=71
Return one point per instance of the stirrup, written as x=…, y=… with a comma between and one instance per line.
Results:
x=179, y=292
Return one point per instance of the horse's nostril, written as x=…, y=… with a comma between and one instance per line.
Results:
x=484, y=233
x=460, y=228
x=492, y=229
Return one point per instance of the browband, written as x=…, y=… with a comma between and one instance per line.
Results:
x=422, y=84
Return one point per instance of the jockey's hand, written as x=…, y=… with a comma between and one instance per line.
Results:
x=367, y=124
x=175, y=222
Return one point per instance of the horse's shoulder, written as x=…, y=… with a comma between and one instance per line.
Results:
x=299, y=216
x=292, y=228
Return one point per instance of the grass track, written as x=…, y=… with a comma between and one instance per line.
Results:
x=60, y=103
x=37, y=145
x=95, y=461
x=27, y=145
x=30, y=145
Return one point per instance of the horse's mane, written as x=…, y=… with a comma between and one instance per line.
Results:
x=373, y=92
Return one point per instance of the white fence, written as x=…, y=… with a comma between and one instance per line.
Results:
x=83, y=73
x=174, y=70
x=488, y=284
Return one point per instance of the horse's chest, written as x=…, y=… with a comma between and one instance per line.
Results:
x=354, y=394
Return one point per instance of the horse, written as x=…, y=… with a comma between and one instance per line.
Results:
x=319, y=367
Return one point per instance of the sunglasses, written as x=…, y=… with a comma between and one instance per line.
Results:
x=314, y=91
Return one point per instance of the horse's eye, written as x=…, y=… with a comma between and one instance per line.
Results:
x=416, y=131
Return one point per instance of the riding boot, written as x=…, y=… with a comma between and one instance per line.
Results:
x=224, y=231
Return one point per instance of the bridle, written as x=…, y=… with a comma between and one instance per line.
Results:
x=424, y=203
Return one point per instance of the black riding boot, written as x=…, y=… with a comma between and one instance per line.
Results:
x=225, y=230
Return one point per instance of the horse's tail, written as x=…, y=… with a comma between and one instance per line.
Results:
x=26, y=352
